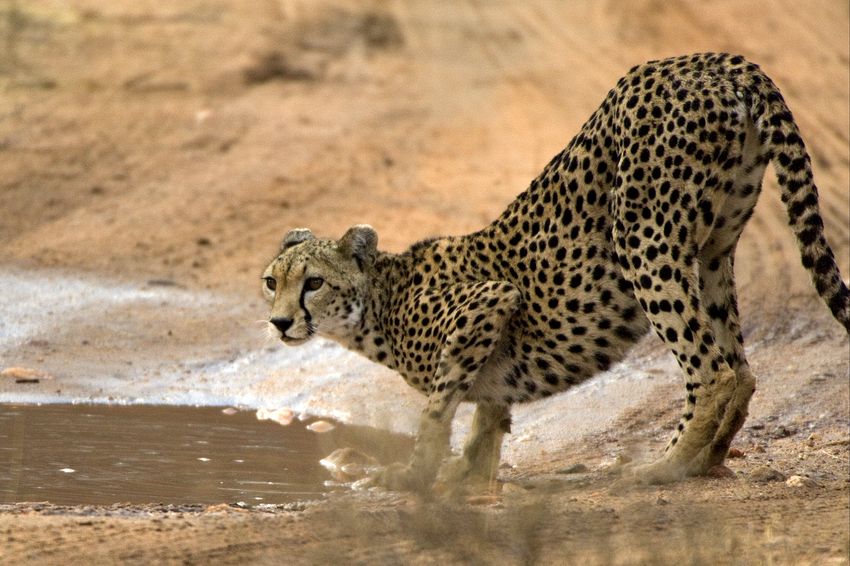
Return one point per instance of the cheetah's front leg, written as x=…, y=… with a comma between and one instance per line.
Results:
x=431, y=447
x=482, y=452
x=477, y=328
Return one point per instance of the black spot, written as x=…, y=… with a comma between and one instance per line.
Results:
x=824, y=265
x=603, y=362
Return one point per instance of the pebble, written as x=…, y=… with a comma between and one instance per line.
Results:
x=764, y=474
x=24, y=373
x=800, y=481
x=735, y=453
x=720, y=471
x=230, y=411
x=320, y=427
x=574, y=469
x=782, y=431
x=281, y=416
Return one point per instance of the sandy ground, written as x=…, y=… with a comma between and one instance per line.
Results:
x=161, y=142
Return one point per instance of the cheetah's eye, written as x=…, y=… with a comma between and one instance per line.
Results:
x=271, y=284
x=313, y=283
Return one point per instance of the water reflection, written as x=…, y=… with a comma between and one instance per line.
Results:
x=101, y=454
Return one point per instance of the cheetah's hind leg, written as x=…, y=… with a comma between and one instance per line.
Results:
x=720, y=302
x=719, y=296
x=668, y=290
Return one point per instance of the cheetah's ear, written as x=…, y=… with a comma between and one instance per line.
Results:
x=361, y=242
x=296, y=236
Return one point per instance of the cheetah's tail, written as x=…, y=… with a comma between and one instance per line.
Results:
x=781, y=136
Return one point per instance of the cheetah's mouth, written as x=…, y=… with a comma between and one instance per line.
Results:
x=290, y=341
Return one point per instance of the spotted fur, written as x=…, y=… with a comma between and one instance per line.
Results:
x=632, y=226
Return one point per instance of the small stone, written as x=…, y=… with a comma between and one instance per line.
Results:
x=720, y=472
x=574, y=469
x=229, y=411
x=25, y=375
x=282, y=416
x=782, y=431
x=764, y=474
x=735, y=453
x=800, y=481
x=203, y=242
x=320, y=427
x=661, y=501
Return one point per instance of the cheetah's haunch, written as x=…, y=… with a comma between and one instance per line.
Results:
x=633, y=226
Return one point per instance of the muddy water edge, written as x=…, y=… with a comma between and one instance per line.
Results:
x=105, y=454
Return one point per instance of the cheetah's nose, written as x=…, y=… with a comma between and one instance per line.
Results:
x=282, y=324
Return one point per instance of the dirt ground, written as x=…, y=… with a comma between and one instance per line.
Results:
x=179, y=141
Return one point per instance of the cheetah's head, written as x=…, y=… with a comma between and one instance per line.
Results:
x=318, y=286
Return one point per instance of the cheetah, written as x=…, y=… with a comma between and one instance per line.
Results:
x=632, y=227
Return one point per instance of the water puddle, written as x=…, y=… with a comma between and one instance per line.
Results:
x=104, y=454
